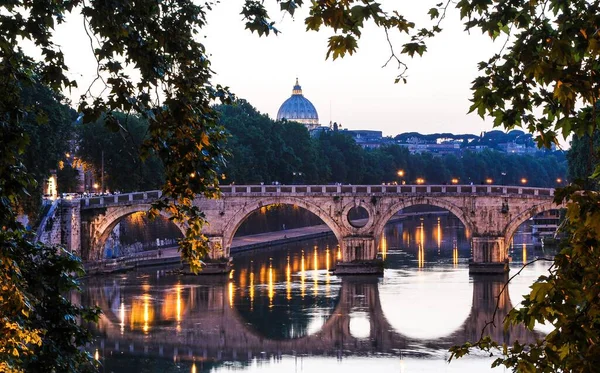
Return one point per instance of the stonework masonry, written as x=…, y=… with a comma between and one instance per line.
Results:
x=490, y=213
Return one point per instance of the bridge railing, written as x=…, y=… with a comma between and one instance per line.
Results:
x=392, y=189
x=127, y=198
x=124, y=198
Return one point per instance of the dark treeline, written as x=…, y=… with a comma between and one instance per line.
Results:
x=267, y=151
x=262, y=150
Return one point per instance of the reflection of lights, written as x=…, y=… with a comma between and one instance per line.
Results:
x=122, y=317
x=315, y=273
x=178, y=306
x=439, y=234
x=524, y=253
x=97, y=355
x=339, y=253
x=302, y=275
x=231, y=274
x=288, y=279
x=455, y=257
x=231, y=290
x=146, y=312
x=271, y=285
x=193, y=367
x=421, y=234
x=327, y=275
x=421, y=256
x=383, y=246
x=251, y=289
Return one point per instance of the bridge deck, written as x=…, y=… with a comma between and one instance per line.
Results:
x=307, y=190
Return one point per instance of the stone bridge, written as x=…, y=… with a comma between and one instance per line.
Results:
x=211, y=328
x=491, y=213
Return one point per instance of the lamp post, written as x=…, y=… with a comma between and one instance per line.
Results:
x=401, y=176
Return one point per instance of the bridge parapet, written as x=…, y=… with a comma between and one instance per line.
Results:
x=244, y=190
x=120, y=199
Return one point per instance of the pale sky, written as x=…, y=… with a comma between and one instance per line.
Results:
x=354, y=91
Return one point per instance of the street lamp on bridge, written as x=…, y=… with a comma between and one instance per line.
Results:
x=523, y=180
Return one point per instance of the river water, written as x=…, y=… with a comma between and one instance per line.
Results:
x=281, y=310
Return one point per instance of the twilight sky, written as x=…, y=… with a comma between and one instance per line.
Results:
x=354, y=91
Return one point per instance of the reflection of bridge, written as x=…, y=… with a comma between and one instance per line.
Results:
x=491, y=213
x=211, y=328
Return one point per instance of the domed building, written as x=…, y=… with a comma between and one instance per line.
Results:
x=299, y=109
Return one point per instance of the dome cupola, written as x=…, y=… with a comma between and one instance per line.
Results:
x=299, y=109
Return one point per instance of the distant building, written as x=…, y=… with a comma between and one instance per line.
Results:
x=367, y=139
x=299, y=109
x=51, y=186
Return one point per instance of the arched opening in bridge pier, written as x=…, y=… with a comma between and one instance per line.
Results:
x=419, y=235
x=135, y=234
x=281, y=282
x=287, y=292
x=426, y=305
x=535, y=236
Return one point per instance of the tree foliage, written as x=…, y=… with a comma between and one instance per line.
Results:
x=542, y=80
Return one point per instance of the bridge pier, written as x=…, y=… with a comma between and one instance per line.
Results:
x=359, y=257
x=489, y=255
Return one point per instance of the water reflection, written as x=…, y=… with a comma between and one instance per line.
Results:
x=285, y=301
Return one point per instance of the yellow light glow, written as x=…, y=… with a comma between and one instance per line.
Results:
x=454, y=181
x=251, y=288
x=420, y=181
x=455, y=257
x=97, y=355
x=327, y=259
x=146, y=313
x=339, y=253
x=231, y=290
x=383, y=246
x=271, y=285
x=288, y=280
x=193, y=367
x=523, y=181
x=421, y=256
x=489, y=181
x=96, y=186
x=315, y=273
x=524, y=253
x=122, y=316
x=302, y=276
x=401, y=173
x=439, y=234
x=559, y=180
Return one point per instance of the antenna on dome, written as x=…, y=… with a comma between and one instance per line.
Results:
x=297, y=81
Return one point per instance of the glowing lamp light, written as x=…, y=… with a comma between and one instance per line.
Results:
x=455, y=181
x=96, y=186
x=420, y=181
x=523, y=181
x=401, y=173
x=489, y=181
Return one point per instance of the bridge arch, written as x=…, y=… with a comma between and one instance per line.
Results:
x=242, y=214
x=514, y=224
x=379, y=225
x=104, y=224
